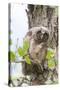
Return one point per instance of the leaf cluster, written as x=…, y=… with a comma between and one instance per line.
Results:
x=50, y=58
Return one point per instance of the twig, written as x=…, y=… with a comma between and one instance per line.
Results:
x=19, y=61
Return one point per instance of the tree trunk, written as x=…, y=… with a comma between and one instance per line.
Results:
x=46, y=16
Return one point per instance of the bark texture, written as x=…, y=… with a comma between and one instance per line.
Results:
x=46, y=16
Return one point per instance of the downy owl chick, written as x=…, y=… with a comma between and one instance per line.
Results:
x=38, y=38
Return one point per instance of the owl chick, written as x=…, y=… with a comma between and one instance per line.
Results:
x=38, y=38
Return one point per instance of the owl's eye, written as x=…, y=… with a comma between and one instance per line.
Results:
x=45, y=37
x=38, y=35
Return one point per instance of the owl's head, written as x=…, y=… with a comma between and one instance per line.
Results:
x=40, y=34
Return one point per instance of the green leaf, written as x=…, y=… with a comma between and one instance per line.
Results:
x=50, y=54
x=12, y=56
x=23, y=51
x=20, y=52
x=28, y=61
x=25, y=46
x=51, y=64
